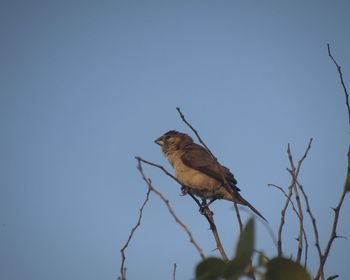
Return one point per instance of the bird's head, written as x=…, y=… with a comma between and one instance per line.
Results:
x=173, y=140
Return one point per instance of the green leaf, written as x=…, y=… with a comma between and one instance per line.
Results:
x=245, y=246
x=281, y=268
x=234, y=270
x=347, y=184
x=210, y=269
x=244, y=252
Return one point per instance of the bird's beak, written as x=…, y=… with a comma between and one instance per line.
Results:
x=159, y=141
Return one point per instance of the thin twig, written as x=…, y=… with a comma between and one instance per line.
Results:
x=286, y=195
x=160, y=167
x=283, y=214
x=290, y=192
x=333, y=234
x=300, y=210
x=225, y=184
x=174, y=271
x=171, y=211
x=122, y=251
x=296, y=212
x=195, y=132
x=314, y=225
x=304, y=156
x=207, y=213
x=301, y=221
x=303, y=229
x=238, y=217
x=341, y=80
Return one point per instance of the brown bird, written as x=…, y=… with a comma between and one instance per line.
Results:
x=198, y=171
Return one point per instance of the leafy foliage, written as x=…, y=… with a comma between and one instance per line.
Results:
x=281, y=268
x=214, y=268
x=274, y=269
x=211, y=268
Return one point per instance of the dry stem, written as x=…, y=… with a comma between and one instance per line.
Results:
x=341, y=80
x=171, y=211
x=174, y=271
x=290, y=192
x=122, y=251
x=207, y=213
x=296, y=212
x=333, y=234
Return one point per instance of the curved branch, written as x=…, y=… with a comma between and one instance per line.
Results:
x=207, y=213
x=122, y=251
x=171, y=211
x=341, y=80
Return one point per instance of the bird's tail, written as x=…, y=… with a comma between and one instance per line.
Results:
x=240, y=200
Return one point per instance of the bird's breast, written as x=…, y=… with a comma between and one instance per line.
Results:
x=194, y=178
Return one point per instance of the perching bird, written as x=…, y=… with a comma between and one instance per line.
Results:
x=198, y=171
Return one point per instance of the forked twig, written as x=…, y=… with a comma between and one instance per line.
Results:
x=160, y=167
x=300, y=210
x=333, y=234
x=290, y=192
x=122, y=251
x=314, y=224
x=171, y=211
x=286, y=196
x=207, y=213
x=296, y=212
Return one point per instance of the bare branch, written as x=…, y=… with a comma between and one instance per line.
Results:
x=238, y=217
x=208, y=214
x=160, y=167
x=314, y=225
x=296, y=212
x=341, y=80
x=283, y=215
x=122, y=251
x=174, y=271
x=333, y=234
x=304, y=156
x=288, y=199
x=297, y=198
x=171, y=211
x=206, y=211
x=195, y=132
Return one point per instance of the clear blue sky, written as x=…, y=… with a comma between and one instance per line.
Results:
x=87, y=85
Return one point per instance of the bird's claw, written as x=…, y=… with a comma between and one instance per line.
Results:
x=204, y=209
x=184, y=190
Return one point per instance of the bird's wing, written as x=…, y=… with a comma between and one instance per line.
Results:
x=196, y=157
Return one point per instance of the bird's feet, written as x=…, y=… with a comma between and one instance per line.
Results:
x=184, y=190
x=204, y=209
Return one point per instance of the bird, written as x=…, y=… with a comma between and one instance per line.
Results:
x=199, y=172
